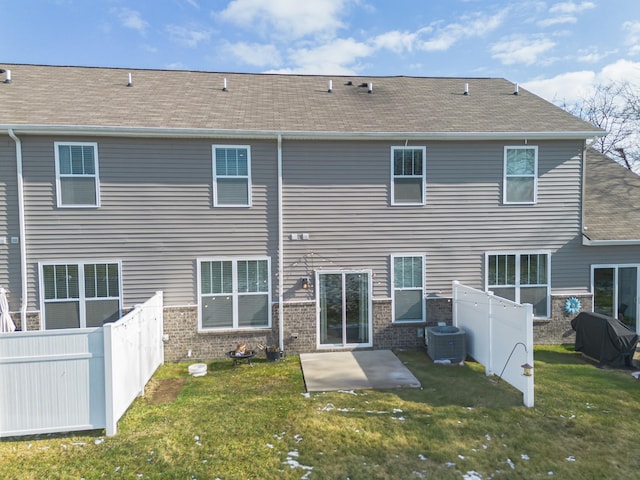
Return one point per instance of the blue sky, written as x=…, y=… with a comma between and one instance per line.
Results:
x=558, y=49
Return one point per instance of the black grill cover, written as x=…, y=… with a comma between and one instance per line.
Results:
x=604, y=339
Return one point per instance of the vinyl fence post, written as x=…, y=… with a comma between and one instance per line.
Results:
x=529, y=384
x=111, y=424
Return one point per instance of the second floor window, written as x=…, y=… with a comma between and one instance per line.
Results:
x=231, y=176
x=520, y=175
x=408, y=175
x=77, y=174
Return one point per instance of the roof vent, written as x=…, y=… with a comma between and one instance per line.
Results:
x=466, y=89
x=349, y=83
x=130, y=84
x=224, y=85
x=8, y=75
x=516, y=89
x=330, y=86
x=370, y=87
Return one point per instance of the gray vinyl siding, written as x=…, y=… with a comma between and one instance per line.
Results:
x=338, y=193
x=156, y=213
x=9, y=223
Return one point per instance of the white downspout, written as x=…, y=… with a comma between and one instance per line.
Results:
x=22, y=233
x=280, y=250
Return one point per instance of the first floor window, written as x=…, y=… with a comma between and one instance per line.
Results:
x=520, y=175
x=77, y=174
x=522, y=278
x=234, y=293
x=408, y=288
x=231, y=176
x=79, y=295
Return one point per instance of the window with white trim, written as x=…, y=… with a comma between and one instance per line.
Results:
x=408, y=288
x=408, y=175
x=77, y=180
x=520, y=182
x=231, y=176
x=234, y=293
x=79, y=295
x=522, y=278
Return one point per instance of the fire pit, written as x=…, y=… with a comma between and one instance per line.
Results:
x=239, y=357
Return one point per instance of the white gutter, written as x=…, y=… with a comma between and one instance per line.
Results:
x=111, y=131
x=22, y=232
x=280, y=251
x=608, y=243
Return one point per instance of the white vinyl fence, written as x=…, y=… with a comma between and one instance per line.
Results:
x=78, y=379
x=499, y=335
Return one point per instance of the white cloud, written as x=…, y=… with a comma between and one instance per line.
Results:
x=592, y=55
x=132, y=19
x=397, y=41
x=477, y=25
x=338, y=57
x=189, y=37
x=571, y=7
x=291, y=18
x=256, y=54
x=557, y=21
x=522, y=49
x=632, y=29
x=572, y=86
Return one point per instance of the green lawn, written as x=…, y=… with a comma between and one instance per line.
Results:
x=257, y=423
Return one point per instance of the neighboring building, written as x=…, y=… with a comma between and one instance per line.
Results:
x=317, y=211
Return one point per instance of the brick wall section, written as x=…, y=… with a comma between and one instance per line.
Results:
x=181, y=325
x=33, y=320
x=388, y=335
x=558, y=328
x=439, y=310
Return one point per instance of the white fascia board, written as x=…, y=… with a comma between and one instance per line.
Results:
x=608, y=243
x=116, y=131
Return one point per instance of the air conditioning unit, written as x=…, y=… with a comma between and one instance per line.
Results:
x=446, y=343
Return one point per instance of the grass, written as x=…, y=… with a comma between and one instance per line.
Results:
x=255, y=423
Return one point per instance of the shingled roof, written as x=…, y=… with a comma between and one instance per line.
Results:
x=57, y=96
x=612, y=201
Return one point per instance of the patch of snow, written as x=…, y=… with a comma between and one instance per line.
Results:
x=461, y=457
x=472, y=475
x=420, y=474
x=98, y=441
x=422, y=457
x=510, y=463
x=350, y=392
x=327, y=408
x=488, y=437
x=396, y=410
x=571, y=458
x=297, y=438
x=524, y=456
x=450, y=464
x=550, y=473
x=306, y=394
x=402, y=419
x=269, y=445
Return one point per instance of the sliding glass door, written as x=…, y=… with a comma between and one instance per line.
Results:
x=344, y=308
x=615, y=292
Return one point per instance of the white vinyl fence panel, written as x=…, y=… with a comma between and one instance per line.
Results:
x=499, y=335
x=78, y=379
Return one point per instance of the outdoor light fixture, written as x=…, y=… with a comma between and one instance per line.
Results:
x=304, y=282
x=527, y=370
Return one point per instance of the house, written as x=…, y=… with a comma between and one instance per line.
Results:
x=317, y=212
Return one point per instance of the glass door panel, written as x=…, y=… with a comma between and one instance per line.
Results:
x=344, y=308
x=357, y=307
x=627, y=295
x=330, y=293
x=604, y=291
